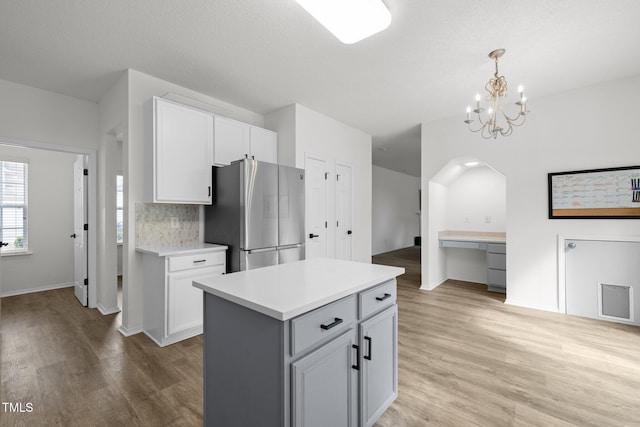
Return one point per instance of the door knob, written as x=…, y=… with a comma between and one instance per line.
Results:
x=349, y=232
x=73, y=236
x=4, y=243
x=571, y=245
x=311, y=235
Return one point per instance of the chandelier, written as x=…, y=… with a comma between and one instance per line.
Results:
x=496, y=121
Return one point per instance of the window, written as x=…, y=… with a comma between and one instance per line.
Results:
x=13, y=206
x=119, y=209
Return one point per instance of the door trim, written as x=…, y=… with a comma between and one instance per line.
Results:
x=92, y=202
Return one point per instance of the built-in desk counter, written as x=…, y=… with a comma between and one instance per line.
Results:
x=494, y=243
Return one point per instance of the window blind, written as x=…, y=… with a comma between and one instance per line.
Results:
x=13, y=205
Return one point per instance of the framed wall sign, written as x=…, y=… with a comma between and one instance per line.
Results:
x=596, y=193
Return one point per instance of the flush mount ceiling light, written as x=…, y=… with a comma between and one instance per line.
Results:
x=496, y=121
x=349, y=20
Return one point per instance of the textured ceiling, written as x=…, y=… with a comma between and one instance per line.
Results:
x=265, y=54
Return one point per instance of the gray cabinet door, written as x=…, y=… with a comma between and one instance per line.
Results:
x=379, y=375
x=325, y=385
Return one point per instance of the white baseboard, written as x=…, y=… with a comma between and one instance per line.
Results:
x=36, y=289
x=432, y=287
x=127, y=332
x=511, y=301
x=106, y=311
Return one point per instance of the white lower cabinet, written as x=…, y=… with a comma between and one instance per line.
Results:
x=184, y=302
x=172, y=305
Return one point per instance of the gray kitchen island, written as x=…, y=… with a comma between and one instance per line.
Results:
x=308, y=343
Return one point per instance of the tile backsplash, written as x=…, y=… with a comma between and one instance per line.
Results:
x=166, y=224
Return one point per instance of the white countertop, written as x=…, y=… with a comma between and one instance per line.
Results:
x=180, y=250
x=288, y=290
x=473, y=236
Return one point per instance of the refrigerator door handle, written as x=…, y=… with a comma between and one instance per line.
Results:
x=257, y=251
x=298, y=245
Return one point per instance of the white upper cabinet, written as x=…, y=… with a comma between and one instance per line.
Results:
x=178, y=151
x=231, y=141
x=263, y=145
x=234, y=140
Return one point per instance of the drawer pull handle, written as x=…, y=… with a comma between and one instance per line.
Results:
x=370, y=341
x=198, y=261
x=336, y=322
x=357, y=365
x=384, y=297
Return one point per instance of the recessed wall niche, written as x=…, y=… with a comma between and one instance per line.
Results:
x=465, y=195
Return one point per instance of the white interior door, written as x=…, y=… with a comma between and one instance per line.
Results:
x=79, y=233
x=316, y=206
x=344, y=219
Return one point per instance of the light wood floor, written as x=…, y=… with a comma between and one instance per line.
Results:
x=465, y=358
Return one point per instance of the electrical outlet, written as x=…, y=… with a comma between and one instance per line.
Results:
x=467, y=220
x=175, y=222
x=487, y=219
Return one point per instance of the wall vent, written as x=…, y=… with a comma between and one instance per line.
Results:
x=615, y=302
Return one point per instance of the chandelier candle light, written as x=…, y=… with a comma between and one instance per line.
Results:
x=497, y=122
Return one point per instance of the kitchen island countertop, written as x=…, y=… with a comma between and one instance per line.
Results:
x=288, y=290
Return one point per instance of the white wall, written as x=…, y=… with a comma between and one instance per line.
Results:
x=50, y=211
x=478, y=193
x=593, y=127
x=112, y=128
x=283, y=121
x=395, y=204
x=434, y=210
x=41, y=116
x=38, y=118
x=333, y=141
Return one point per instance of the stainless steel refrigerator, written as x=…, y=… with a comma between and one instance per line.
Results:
x=258, y=212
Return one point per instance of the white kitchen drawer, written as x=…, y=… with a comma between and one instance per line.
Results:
x=497, y=278
x=498, y=248
x=206, y=259
x=322, y=323
x=375, y=299
x=497, y=261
